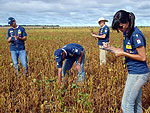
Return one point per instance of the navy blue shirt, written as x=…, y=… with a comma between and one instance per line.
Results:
x=72, y=50
x=18, y=44
x=137, y=39
x=102, y=31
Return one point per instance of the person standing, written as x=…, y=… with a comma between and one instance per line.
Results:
x=103, y=37
x=17, y=37
x=70, y=53
x=134, y=50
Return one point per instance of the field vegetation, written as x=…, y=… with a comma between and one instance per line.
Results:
x=39, y=93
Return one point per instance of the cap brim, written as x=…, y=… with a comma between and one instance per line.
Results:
x=58, y=59
x=103, y=20
x=9, y=22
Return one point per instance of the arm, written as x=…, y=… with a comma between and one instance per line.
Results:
x=107, y=46
x=78, y=66
x=141, y=56
x=11, y=39
x=81, y=57
x=59, y=75
x=22, y=38
x=99, y=36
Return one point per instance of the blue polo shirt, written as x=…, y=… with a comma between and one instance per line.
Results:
x=72, y=50
x=18, y=44
x=102, y=31
x=136, y=40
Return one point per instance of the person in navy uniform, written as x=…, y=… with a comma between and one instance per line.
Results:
x=17, y=37
x=134, y=50
x=70, y=53
x=103, y=37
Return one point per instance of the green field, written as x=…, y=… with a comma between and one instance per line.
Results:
x=40, y=93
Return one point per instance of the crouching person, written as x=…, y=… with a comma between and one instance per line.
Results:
x=70, y=53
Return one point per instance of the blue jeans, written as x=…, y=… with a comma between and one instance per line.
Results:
x=68, y=65
x=131, y=101
x=23, y=58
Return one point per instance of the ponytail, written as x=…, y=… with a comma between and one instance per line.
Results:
x=131, y=24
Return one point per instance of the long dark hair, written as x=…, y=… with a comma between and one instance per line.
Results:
x=123, y=16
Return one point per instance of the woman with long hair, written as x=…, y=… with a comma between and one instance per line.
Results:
x=134, y=50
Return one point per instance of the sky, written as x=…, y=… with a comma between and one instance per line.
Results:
x=71, y=12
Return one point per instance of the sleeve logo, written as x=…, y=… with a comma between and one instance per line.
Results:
x=76, y=50
x=138, y=41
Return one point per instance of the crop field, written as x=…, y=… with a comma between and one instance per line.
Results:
x=40, y=93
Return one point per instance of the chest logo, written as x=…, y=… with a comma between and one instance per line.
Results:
x=19, y=31
x=128, y=47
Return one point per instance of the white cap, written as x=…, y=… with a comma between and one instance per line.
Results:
x=102, y=19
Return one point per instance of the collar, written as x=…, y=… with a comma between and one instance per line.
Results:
x=65, y=51
x=103, y=26
x=16, y=27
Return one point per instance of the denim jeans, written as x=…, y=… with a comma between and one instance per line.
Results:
x=131, y=101
x=23, y=58
x=68, y=65
x=102, y=55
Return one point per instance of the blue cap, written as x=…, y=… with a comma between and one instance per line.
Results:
x=10, y=20
x=58, y=55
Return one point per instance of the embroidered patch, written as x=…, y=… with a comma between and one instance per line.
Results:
x=128, y=46
x=138, y=41
x=76, y=50
x=19, y=31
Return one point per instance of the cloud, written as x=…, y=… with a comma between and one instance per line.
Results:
x=67, y=12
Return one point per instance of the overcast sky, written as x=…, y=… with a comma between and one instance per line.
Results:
x=71, y=12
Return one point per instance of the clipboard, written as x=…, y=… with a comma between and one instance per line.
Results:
x=108, y=50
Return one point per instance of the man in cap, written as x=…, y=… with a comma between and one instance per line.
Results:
x=69, y=54
x=103, y=38
x=17, y=37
